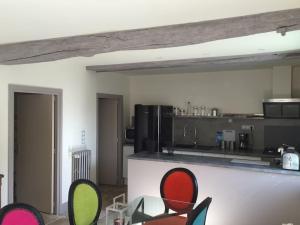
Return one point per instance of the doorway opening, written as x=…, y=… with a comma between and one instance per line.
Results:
x=35, y=147
x=109, y=139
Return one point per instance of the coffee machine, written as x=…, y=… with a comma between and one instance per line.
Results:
x=243, y=141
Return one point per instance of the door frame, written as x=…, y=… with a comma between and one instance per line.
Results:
x=12, y=89
x=119, y=99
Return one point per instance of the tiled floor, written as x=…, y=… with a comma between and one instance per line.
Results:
x=109, y=192
x=55, y=220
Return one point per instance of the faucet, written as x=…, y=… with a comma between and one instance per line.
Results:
x=184, y=130
x=195, y=136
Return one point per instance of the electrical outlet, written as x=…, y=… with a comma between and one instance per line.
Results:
x=247, y=127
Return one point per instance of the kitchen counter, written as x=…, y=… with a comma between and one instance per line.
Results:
x=242, y=194
x=212, y=149
x=1, y=176
x=211, y=161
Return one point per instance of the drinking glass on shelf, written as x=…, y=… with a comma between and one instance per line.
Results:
x=183, y=112
x=195, y=111
x=189, y=108
x=208, y=111
x=180, y=111
x=175, y=111
x=203, y=110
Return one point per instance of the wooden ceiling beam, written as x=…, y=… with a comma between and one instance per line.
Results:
x=204, y=63
x=149, y=38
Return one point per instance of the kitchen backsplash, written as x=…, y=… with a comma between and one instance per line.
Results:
x=266, y=132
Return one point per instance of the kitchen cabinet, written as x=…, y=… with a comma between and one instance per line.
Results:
x=127, y=150
x=282, y=108
x=1, y=176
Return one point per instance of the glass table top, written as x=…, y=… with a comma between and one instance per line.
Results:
x=147, y=208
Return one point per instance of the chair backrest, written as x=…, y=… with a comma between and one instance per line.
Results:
x=179, y=184
x=198, y=215
x=85, y=202
x=20, y=214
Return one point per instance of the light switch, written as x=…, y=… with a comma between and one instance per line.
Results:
x=83, y=137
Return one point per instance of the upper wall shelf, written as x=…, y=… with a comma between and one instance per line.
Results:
x=225, y=116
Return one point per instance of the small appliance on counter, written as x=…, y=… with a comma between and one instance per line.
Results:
x=290, y=158
x=243, y=141
x=129, y=135
x=228, y=142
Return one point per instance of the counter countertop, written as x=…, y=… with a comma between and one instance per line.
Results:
x=210, y=161
x=208, y=149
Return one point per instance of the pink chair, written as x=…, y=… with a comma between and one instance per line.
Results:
x=20, y=214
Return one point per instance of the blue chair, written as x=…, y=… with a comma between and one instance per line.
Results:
x=196, y=217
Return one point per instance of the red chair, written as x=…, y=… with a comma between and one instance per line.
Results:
x=179, y=191
x=181, y=185
x=20, y=214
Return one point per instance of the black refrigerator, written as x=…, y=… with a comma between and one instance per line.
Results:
x=153, y=127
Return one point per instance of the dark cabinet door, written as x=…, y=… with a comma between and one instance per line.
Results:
x=291, y=110
x=285, y=110
x=166, y=134
x=273, y=110
x=141, y=127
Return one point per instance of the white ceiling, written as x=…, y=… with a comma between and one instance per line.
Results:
x=23, y=20
x=260, y=43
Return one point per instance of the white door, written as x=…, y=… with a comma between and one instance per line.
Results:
x=34, y=151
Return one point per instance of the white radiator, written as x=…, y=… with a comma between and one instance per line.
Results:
x=81, y=164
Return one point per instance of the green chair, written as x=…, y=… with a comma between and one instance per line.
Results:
x=85, y=203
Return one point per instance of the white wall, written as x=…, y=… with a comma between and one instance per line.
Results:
x=79, y=105
x=231, y=91
x=296, y=82
x=282, y=81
